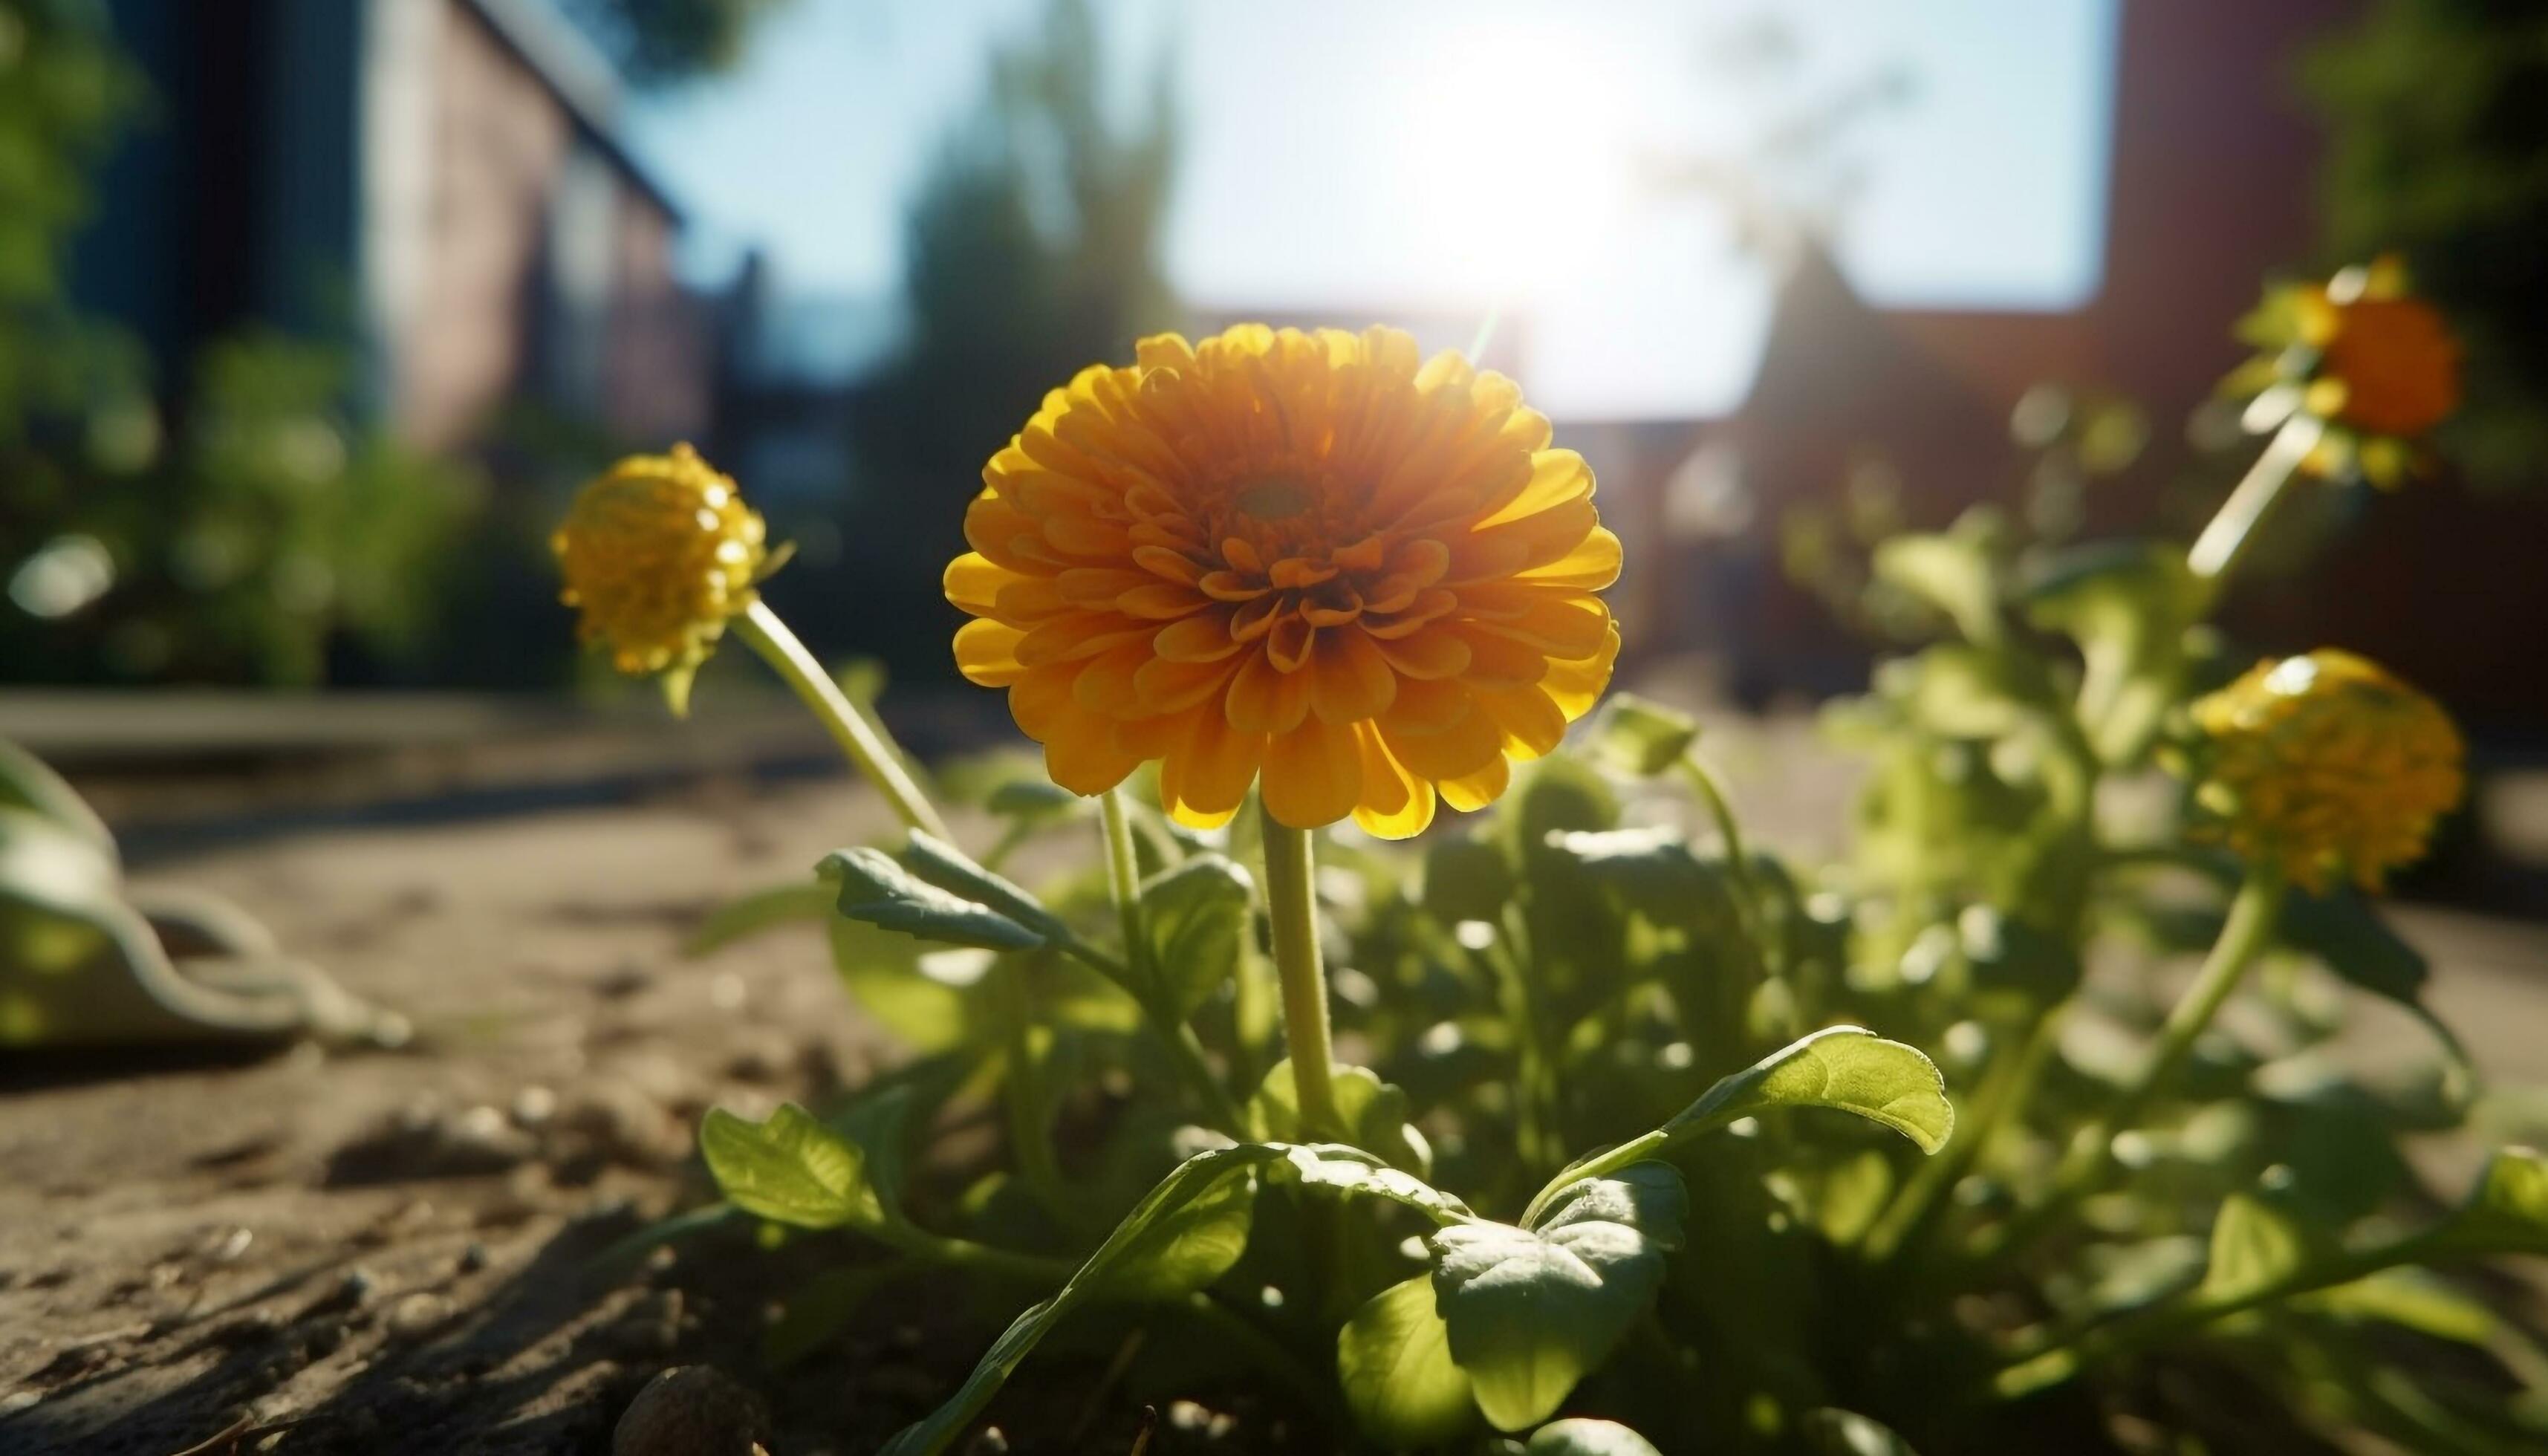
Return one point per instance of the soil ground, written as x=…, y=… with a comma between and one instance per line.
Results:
x=395, y=1253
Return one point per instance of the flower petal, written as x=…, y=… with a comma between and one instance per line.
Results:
x=1313, y=775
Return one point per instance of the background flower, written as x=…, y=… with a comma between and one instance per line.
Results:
x=2328, y=764
x=2360, y=352
x=1310, y=556
x=657, y=553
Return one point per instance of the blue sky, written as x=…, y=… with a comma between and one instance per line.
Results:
x=1448, y=157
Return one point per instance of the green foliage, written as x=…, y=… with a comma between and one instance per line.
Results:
x=1530, y=1311
x=1580, y=1438
x=2123, y=1221
x=1394, y=1362
x=875, y=889
x=1841, y=1067
x=1197, y=916
x=789, y=1169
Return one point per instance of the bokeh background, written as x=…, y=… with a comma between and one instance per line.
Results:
x=313, y=314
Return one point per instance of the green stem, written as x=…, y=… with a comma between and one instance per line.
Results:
x=977, y=1258
x=2245, y=935
x=1291, y=899
x=1534, y=1090
x=1022, y=1093
x=2143, y=1328
x=1123, y=881
x=1140, y=978
x=2217, y=551
x=862, y=742
x=1720, y=809
x=2005, y=1083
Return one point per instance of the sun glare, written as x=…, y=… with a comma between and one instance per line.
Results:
x=1518, y=158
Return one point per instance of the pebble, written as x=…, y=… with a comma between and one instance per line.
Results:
x=651, y=1324
x=17, y=1401
x=533, y=1106
x=417, y=1315
x=353, y=1290
x=691, y=1410
x=474, y=1259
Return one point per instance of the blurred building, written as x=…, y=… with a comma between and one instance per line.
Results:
x=2210, y=187
x=439, y=180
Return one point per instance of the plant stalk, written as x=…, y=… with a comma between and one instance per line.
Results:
x=863, y=743
x=2222, y=542
x=1720, y=809
x=1291, y=899
x=1140, y=978
x=2249, y=931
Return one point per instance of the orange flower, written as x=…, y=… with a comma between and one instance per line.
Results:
x=2390, y=366
x=1309, y=557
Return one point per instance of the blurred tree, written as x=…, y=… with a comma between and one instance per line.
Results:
x=2437, y=113
x=65, y=95
x=244, y=531
x=1032, y=253
x=664, y=42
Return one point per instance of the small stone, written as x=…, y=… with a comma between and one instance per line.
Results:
x=225, y=1247
x=651, y=1324
x=417, y=1315
x=353, y=1290
x=691, y=1410
x=17, y=1401
x=533, y=1106
x=474, y=1259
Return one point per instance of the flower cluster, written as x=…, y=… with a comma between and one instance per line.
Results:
x=2375, y=364
x=1317, y=558
x=658, y=554
x=2327, y=765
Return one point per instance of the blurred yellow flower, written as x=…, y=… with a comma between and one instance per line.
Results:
x=2327, y=766
x=658, y=553
x=1314, y=556
x=2359, y=352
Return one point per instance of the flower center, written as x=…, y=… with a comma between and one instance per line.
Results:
x=1278, y=499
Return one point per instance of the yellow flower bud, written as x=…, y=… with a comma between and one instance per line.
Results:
x=2327, y=766
x=658, y=554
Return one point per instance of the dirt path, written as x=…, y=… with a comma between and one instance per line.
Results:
x=392, y=1248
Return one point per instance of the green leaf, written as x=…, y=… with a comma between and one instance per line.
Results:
x=1530, y=1311
x=877, y=889
x=1466, y=879
x=1333, y=1168
x=1034, y=801
x=762, y=910
x=1394, y=1360
x=1374, y=1114
x=1844, y=1067
x=1639, y=737
x=790, y=1169
x=883, y=973
x=2128, y=606
x=2256, y=1244
x=950, y=869
x=1831, y=1431
x=1196, y=915
x=1177, y=1239
x=1955, y=571
x=2508, y=1212
x=1583, y=1436
x=2413, y=1300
